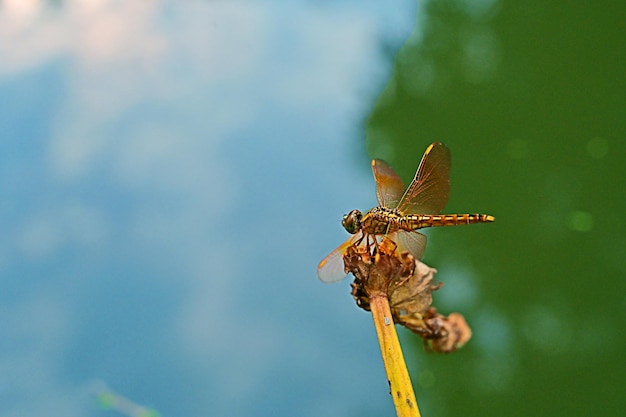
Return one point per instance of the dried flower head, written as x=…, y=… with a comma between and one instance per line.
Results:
x=408, y=285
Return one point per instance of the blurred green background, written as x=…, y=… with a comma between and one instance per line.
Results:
x=531, y=99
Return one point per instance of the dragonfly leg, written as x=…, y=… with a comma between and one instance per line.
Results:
x=368, y=244
x=358, y=242
x=371, y=243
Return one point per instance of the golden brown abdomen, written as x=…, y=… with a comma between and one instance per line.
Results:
x=418, y=221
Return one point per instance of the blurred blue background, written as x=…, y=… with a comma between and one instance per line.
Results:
x=172, y=173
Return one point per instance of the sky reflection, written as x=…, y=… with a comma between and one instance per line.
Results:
x=172, y=183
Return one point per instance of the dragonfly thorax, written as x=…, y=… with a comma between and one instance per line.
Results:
x=381, y=221
x=377, y=221
x=352, y=221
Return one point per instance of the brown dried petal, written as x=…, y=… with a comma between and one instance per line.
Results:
x=359, y=294
x=446, y=334
x=413, y=322
x=413, y=294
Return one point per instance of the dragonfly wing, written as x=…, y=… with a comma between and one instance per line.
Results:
x=331, y=269
x=389, y=186
x=430, y=189
x=414, y=242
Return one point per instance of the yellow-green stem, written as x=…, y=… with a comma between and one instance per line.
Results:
x=397, y=374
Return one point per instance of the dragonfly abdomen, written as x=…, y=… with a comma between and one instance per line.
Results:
x=418, y=221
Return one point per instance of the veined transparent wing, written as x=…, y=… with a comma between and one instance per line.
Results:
x=389, y=186
x=331, y=269
x=413, y=242
x=429, y=191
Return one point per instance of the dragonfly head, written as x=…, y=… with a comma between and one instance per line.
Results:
x=352, y=221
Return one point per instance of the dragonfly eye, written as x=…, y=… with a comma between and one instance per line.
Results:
x=352, y=221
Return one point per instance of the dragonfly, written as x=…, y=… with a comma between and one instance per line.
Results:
x=400, y=213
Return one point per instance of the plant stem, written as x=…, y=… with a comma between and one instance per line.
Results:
x=397, y=374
